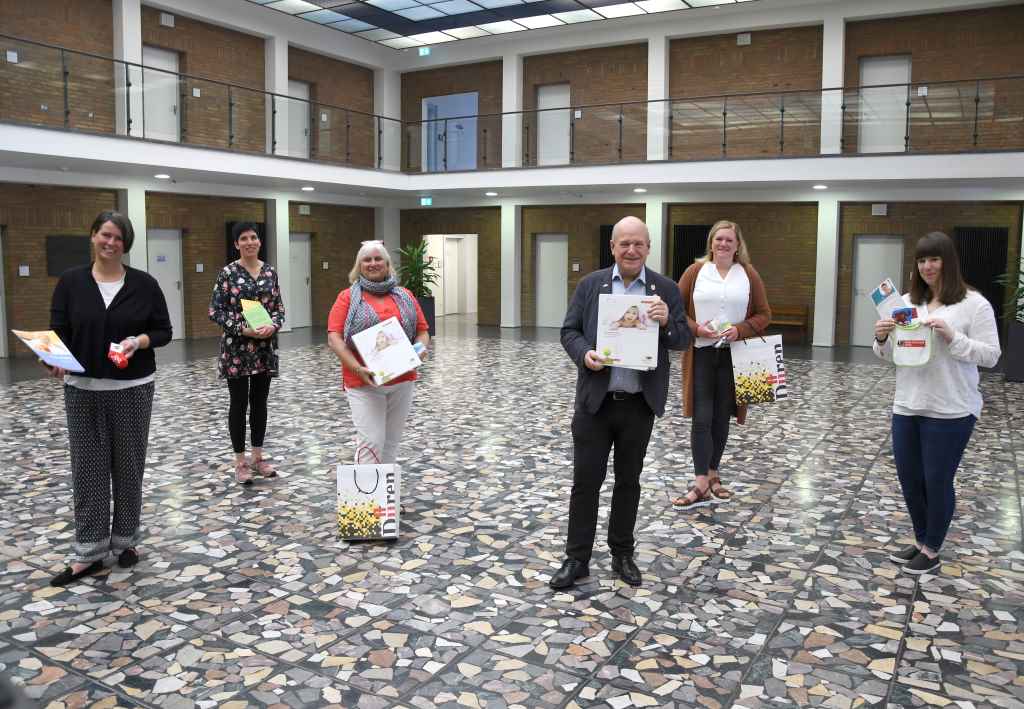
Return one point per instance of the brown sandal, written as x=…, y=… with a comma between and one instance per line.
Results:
x=718, y=492
x=693, y=499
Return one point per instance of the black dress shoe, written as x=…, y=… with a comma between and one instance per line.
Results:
x=571, y=570
x=68, y=575
x=627, y=570
x=128, y=558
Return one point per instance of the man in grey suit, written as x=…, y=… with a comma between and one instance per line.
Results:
x=615, y=406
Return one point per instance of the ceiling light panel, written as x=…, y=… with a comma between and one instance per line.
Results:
x=490, y=4
x=538, y=21
x=577, y=16
x=420, y=12
x=467, y=32
x=626, y=9
x=662, y=5
x=456, y=7
x=377, y=35
x=432, y=38
x=324, y=17
x=392, y=5
x=503, y=27
x=352, y=26
x=293, y=7
x=402, y=43
x=708, y=3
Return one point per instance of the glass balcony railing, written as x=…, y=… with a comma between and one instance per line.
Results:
x=59, y=88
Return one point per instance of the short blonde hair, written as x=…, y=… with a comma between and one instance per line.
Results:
x=364, y=250
x=741, y=255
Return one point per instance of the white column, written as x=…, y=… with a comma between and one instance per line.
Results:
x=278, y=236
x=512, y=125
x=511, y=264
x=387, y=103
x=826, y=276
x=833, y=57
x=131, y=202
x=128, y=80
x=387, y=226
x=656, y=219
x=657, y=89
x=276, y=81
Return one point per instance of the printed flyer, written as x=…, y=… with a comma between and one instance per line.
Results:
x=626, y=336
x=49, y=348
x=386, y=350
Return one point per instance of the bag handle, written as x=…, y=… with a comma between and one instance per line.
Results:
x=355, y=481
x=370, y=449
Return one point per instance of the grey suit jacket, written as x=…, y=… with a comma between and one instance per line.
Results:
x=579, y=334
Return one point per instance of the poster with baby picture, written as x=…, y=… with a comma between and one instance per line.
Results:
x=626, y=335
x=386, y=350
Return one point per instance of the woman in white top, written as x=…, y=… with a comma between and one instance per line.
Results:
x=725, y=301
x=938, y=403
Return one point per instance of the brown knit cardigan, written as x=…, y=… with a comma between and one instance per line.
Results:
x=758, y=317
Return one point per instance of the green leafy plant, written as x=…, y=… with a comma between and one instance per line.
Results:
x=1014, y=283
x=416, y=271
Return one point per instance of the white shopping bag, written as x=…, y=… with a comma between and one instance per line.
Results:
x=368, y=504
x=759, y=370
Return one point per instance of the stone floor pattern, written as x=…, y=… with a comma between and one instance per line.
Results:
x=784, y=597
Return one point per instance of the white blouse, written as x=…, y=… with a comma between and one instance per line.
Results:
x=947, y=386
x=724, y=299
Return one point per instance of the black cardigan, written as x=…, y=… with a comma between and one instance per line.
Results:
x=79, y=317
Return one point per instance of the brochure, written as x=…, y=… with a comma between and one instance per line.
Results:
x=886, y=298
x=386, y=350
x=255, y=314
x=49, y=348
x=626, y=336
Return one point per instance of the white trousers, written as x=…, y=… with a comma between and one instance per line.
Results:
x=379, y=415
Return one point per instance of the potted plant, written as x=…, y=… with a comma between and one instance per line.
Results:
x=417, y=272
x=1013, y=355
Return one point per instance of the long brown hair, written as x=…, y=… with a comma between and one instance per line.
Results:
x=952, y=286
x=741, y=256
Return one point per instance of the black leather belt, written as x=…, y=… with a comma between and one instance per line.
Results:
x=623, y=395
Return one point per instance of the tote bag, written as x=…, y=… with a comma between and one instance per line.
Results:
x=759, y=370
x=369, y=501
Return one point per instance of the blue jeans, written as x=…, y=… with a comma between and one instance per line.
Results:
x=928, y=452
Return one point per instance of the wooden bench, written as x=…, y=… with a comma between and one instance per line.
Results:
x=791, y=317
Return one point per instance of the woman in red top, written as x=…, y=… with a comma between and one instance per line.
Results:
x=378, y=412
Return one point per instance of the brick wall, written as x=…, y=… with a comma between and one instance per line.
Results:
x=203, y=222
x=33, y=89
x=221, y=54
x=949, y=47
x=485, y=78
x=483, y=221
x=595, y=76
x=336, y=232
x=344, y=85
x=28, y=214
x=582, y=223
x=912, y=220
x=775, y=60
x=782, y=239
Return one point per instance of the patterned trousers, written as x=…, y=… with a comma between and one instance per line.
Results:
x=108, y=432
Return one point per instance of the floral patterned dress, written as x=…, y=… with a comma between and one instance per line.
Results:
x=242, y=356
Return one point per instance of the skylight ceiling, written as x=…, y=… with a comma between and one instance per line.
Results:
x=401, y=24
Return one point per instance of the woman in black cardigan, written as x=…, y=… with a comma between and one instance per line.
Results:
x=98, y=310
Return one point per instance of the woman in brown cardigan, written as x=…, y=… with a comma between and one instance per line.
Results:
x=725, y=301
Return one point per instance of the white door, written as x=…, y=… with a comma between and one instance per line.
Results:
x=449, y=144
x=164, y=248
x=883, y=111
x=300, y=309
x=160, y=95
x=298, y=119
x=452, y=276
x=875, y=258
x=553, y=126
x=552, y=279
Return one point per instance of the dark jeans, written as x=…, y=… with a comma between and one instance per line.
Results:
x=928, y=452
x=248, y=392
x=714, y=401
x=625, y=423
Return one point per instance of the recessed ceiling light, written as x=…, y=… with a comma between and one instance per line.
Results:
x=162, y=176
x=491, y=194
x=821, y=187
x=308, y=188
x=639, y=190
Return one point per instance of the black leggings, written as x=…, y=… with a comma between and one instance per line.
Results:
x=714, y=401
x=243, y=395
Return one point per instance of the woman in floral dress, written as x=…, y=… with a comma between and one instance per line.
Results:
x=248, y=357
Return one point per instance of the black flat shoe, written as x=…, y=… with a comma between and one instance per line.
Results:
x=572, y=569
x=627, y=570
x=128, y=558
x=67, y=575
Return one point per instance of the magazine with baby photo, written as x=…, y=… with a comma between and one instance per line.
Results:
x=386, y=350
x=626, y=335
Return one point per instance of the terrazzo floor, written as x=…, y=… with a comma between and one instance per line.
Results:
x=783, y=597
